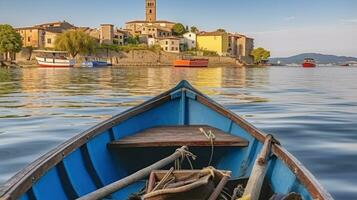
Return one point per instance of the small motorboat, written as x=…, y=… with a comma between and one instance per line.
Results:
x=95, y=64
x=309, y=63
x=178, y=145
x=191, y=63
x=54, y=59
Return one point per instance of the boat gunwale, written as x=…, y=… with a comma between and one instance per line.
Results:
x=23, y=180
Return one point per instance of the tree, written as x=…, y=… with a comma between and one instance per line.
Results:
x=10, y=40
x=75, y=42
x=194, y=29
x=221, y=30
x=260, y=54
x=178, y=29
x=133, y=40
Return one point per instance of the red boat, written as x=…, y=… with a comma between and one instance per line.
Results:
x=309, y=63
x=191, y=63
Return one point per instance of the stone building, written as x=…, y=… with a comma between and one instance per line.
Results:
x=155, y=31
x=169, y=44
x=43, y=35
x=50, y=37
x=32, y=36
x=106, y=34
x=241, y=47
x=139, y=27
x=110, y=35
x=150, y=10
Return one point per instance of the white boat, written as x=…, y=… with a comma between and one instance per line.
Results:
x=54, y=59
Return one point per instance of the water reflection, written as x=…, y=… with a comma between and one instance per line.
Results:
x=314, y=117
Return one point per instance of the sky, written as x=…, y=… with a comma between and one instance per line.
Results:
x=285, y=27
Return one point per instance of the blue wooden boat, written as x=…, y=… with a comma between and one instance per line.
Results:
x=95, y=64
x=143, y=135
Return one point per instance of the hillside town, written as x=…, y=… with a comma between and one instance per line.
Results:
x=149, y=32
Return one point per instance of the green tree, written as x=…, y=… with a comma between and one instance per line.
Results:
x=10, y=40
x=179, y=29
x=75, y=42
x=194, y=29
x=133, y=40
x=260, y=54
x=221, y=30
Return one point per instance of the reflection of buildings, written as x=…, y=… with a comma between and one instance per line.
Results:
x=202, y=78
x=42, y=87
x=234, y=77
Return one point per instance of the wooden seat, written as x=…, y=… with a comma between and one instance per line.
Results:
x=175, y=136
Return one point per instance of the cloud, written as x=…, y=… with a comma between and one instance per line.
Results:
x=290, y=18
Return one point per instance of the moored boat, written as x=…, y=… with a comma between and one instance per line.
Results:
x=309, y=63
x=95, y=64
x=117, y=157
x=191, y=63
x=54, y=59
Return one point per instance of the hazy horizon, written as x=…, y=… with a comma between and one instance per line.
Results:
x=285, y=28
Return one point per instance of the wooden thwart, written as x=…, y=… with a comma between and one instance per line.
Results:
x=175, y=136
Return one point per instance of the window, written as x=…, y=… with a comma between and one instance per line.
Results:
x=150, y=11
x=189, y=35
x=166, y=48
x=49, y=41
x=172, y=42
x=172, y=49
x=176, y=48
x=28, y=39
x=167, y=42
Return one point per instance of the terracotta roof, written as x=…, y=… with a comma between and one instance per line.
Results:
x=215, y=33
x=54, y=30
x=50, y=23
x=240, y=35
x=155, y=22
x=27, y=28
x=158, y=27
x=168, y=38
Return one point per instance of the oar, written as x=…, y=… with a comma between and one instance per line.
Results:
x=114, y=187
x=255, y=182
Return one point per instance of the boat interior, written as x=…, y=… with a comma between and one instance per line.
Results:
x=148, y=133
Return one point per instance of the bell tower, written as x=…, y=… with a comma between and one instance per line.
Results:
x=150, y=10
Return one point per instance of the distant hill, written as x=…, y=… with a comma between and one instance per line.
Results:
x=320, y=58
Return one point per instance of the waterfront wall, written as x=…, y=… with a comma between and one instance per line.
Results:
x=132, y=58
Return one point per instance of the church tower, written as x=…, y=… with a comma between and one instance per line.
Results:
x=150, y=10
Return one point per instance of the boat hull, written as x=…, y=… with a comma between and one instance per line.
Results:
x=53, y=62
x=191, y=63
x=95, y=64
x=309, y=65
x=86, y=162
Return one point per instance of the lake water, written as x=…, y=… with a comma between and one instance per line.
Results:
x=313, y=112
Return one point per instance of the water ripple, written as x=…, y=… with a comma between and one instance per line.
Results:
x=313, y=117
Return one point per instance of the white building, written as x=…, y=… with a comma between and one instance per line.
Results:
x=190, y=40
x=152, y=41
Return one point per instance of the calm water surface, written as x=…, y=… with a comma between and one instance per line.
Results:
x=313, y=112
